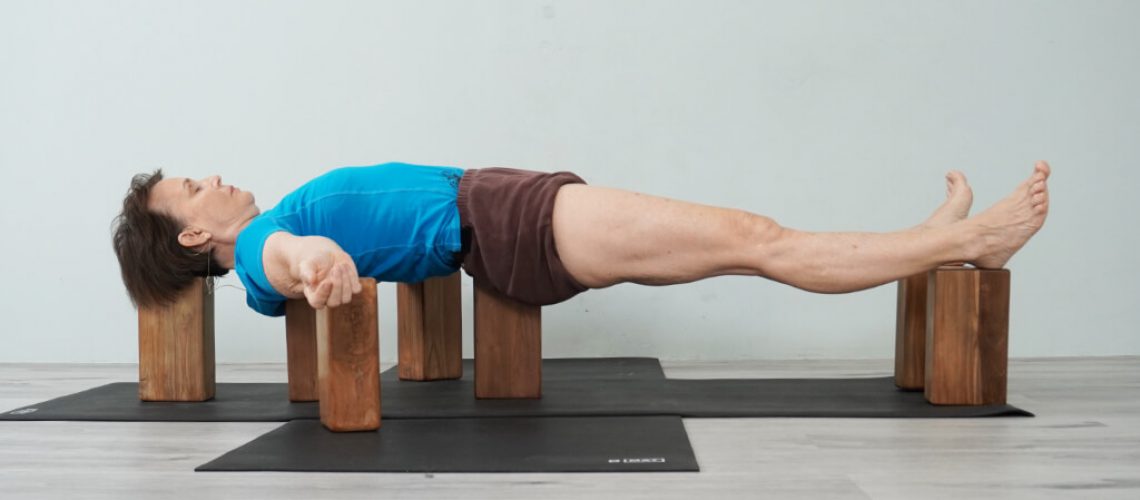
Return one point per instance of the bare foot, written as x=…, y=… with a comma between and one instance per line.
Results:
x=1009, y=223
x=959, y=197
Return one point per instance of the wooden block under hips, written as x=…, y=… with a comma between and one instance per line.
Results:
x=429, y=318
x=508, y=347
x=301, y=349
x=176, y=347
x=348, y=363
x=967, y=336
x=910, y=333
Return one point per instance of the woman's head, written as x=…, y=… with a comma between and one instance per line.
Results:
x=168, y=232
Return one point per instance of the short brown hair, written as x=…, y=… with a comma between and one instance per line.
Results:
x=154, y=266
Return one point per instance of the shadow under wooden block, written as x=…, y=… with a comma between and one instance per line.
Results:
x=301, y=349
x=508, y=347
x=348, y=363
x=176, y=347
x=967, y=336
x=429, y=319
x=910, y=333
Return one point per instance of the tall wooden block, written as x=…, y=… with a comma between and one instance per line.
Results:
x=429, y=317
x=301, y=349
x=910, y=333
x=967, y=336
x=176, y=347
x=348, y=363
x=508, y=347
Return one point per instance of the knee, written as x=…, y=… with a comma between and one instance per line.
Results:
x=761, y=231
x=762, y=236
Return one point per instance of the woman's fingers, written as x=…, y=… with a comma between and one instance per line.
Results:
x=309, y=273
x=345, y=285
x=356, y=288
x=351, y=280
x=319, y=296
x=339, y=283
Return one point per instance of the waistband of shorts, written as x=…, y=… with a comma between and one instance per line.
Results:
x=461, y=199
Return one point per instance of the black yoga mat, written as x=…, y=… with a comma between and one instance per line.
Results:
x=597, y=444
x=573, y=389
x=846, y=398
x=119, y=402
x=575, y=369
x=269, y=402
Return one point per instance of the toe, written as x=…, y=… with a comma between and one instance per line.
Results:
x=955, y=180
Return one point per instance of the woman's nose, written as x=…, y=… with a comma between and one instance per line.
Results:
x=215, y=180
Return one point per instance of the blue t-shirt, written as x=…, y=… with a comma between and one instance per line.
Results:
x=399, y=222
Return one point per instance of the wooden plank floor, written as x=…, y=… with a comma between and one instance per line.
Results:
x=1084, y=443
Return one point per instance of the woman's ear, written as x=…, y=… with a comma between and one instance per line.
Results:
x=193, y=237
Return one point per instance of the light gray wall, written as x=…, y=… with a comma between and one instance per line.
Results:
x=834, y=115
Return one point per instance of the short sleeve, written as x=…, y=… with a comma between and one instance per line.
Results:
x=248, y=265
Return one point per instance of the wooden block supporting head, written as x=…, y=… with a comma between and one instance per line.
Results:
x=430, y=323
x=508, y=347
x=176, y=347
x=348, y=363
x=301, y=348
x=910, y=333
x=967, y=336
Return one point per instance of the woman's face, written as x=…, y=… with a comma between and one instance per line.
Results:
x=206, y=205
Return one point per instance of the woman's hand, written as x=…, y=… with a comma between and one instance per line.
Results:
x=313, y=267
x=329, y=277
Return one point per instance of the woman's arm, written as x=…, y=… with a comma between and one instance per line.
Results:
x=310, y=267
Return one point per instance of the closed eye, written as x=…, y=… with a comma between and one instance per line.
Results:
x=186, y=184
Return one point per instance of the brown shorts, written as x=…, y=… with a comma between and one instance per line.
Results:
x=508, y=237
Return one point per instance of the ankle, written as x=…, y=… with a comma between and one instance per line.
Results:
x=970, y=240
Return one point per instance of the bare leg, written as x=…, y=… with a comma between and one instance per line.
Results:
x=608, y=236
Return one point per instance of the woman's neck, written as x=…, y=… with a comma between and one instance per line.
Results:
x=223, y=251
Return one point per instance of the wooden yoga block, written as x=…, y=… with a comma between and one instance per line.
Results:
x=176, y=347
x=348, y=363
x=429, y=318
x=910, y=333
x=508, y=347
x=967, y=336
x=301, y=349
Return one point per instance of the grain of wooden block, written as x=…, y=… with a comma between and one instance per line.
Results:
x=301, y=349
x=348, y=363
x=430, y=324
x=508, y=347
x=967, y=336
x=910, y=333
x=176, y=347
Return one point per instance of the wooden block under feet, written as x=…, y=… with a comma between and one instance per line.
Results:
x=429, y=318
x=967, y=336
x=301, y=349
x=508, y=347
x=910, y=333
x=176, y=347
x=348, y=363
